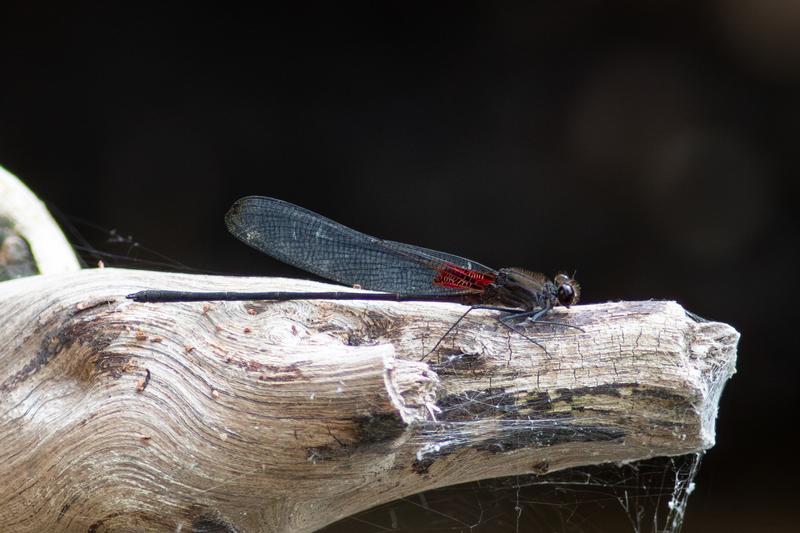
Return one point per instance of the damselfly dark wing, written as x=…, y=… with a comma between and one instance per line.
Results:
x=314, y=243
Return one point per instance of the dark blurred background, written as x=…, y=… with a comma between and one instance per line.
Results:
x=652, y=146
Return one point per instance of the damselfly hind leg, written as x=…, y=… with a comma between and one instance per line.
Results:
x=449, y=330
x=514, y=313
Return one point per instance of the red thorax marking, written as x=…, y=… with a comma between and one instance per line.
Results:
x=455, y=277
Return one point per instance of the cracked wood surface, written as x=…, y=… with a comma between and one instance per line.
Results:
x=267, y=416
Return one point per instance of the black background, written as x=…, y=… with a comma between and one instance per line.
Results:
x=652, y=146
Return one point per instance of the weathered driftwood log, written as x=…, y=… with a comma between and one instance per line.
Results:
x=27, y=231
x=270, y=416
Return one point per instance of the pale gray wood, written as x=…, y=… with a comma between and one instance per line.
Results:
x=32, y=221
x=288, y=416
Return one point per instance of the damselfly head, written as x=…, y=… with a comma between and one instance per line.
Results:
x=569, y=290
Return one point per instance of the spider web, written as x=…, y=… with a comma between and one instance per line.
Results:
x=648, y=496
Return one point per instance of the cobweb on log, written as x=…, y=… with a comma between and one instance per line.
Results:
x=96, y=244
x=644, y=497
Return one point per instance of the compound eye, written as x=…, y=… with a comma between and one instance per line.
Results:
x=566, y=294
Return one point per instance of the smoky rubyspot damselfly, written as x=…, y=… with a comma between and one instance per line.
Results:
x=402, y=272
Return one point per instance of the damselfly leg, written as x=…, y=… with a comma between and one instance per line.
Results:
x=533, y=316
